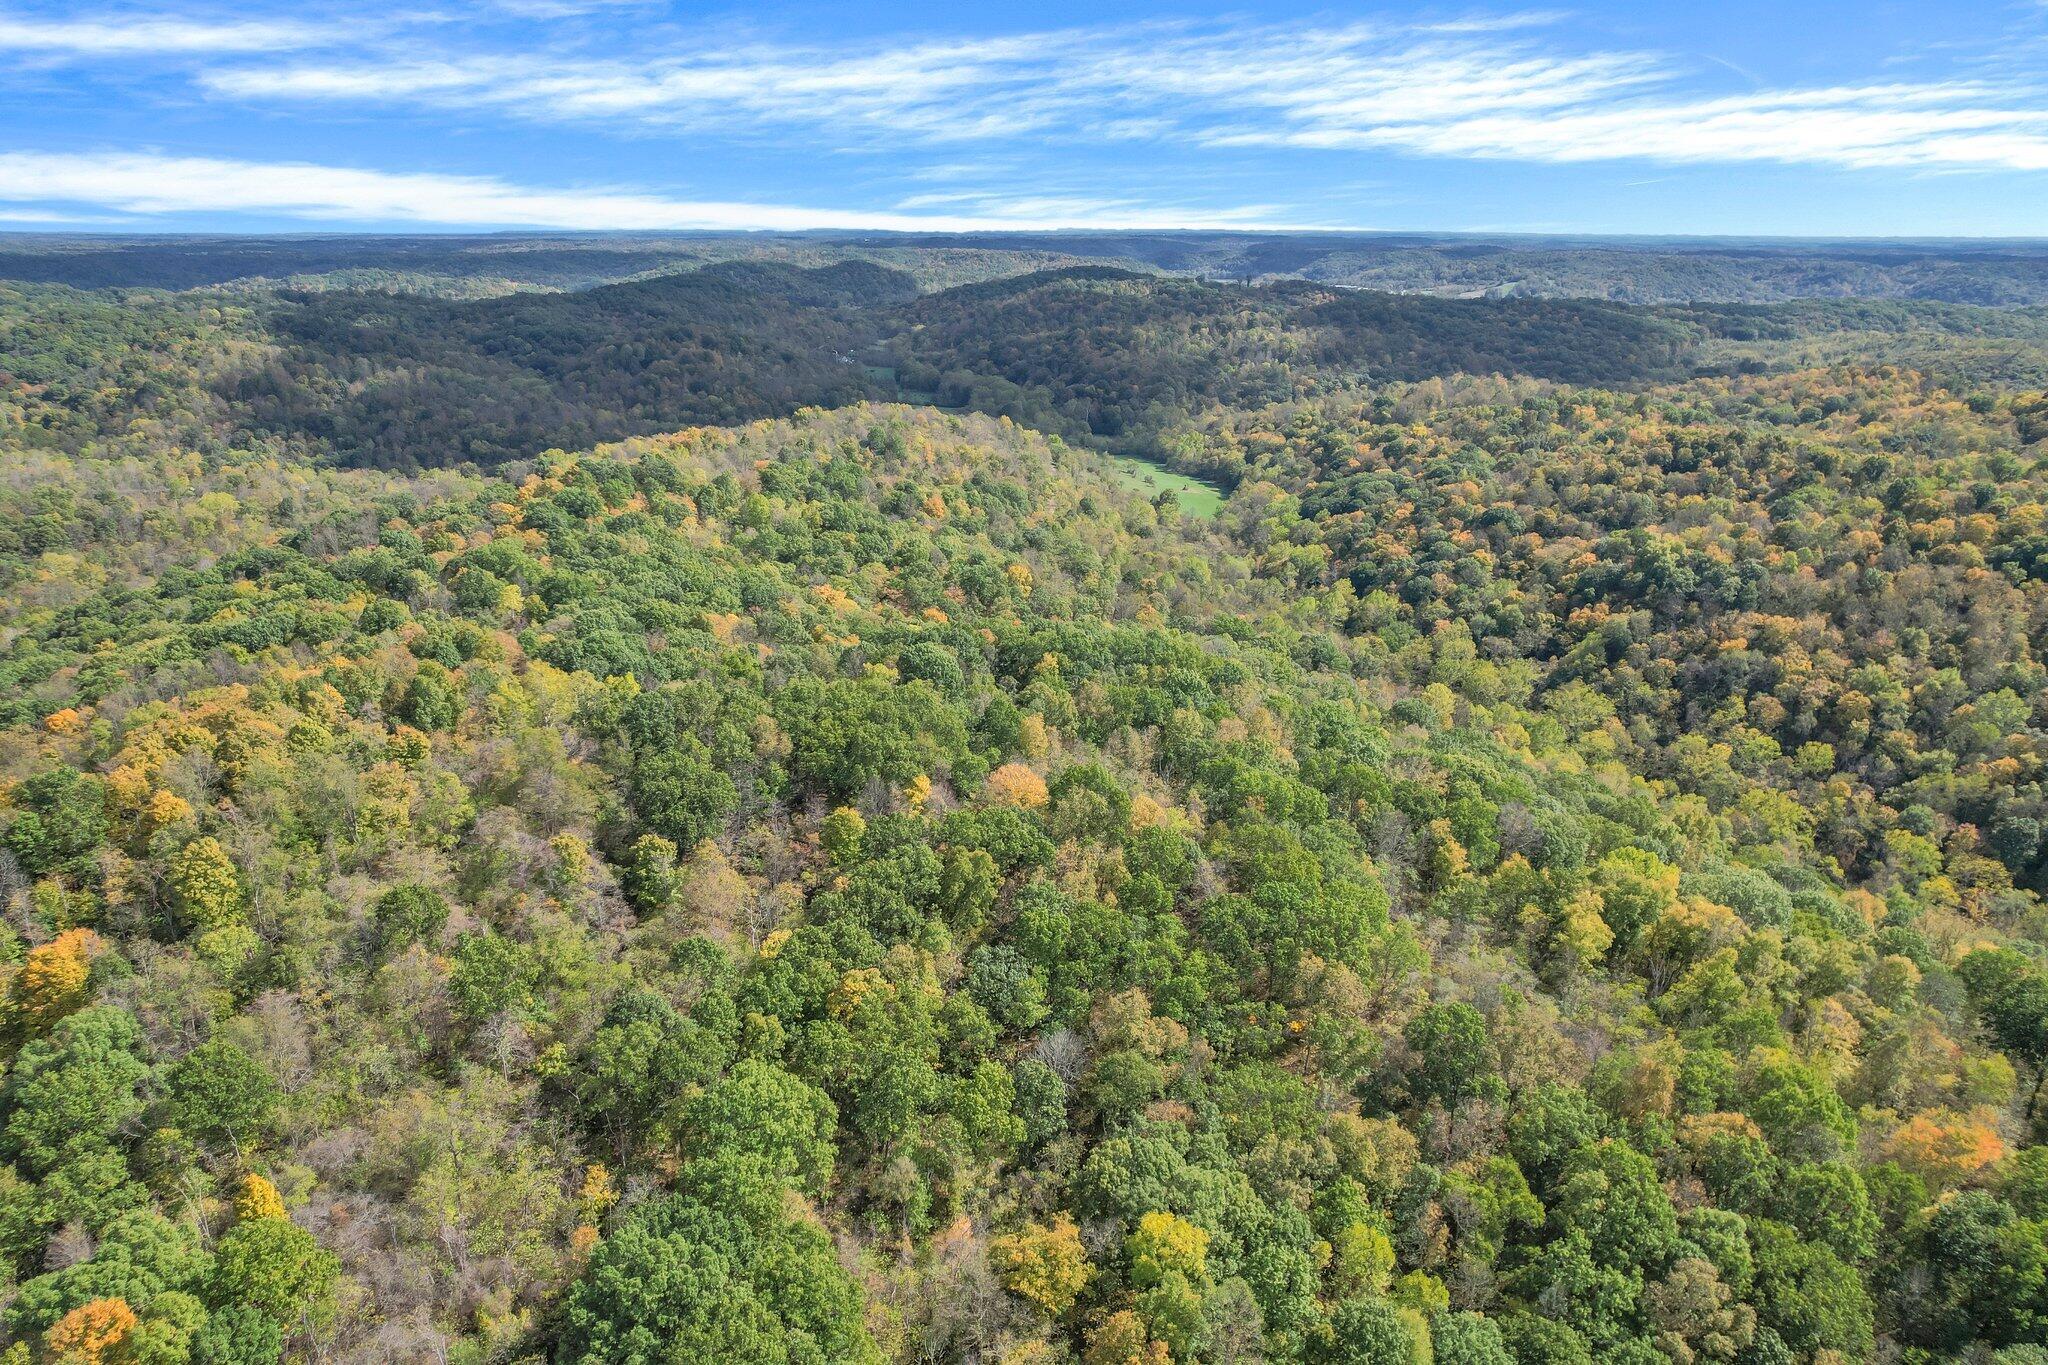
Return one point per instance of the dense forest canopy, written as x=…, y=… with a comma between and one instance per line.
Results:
x=567, y=826
x=1108, y=353
x=406, y=379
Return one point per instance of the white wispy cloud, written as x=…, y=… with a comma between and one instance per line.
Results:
x=152, y=184
x=1487, y=87
x=152, y=34
x=1124, y=81
x=957, y=90
x=28, y=216
x=562, y=9
x=1501, y=23
x=1892, y=126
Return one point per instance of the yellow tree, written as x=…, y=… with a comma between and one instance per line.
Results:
x=91, y=1334
x=1046, y=1265
x=1170, y=1270
x=1167, y=1244
x=1013, y=784
x=205, y=886
x=256, y=1198
x=1944, y=1148
x=52, y=981
x=1123, y=1340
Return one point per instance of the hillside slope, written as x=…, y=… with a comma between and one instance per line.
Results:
x=864, y=887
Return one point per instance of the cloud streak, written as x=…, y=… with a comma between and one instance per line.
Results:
x=1931, y=127
x=941, y=91
x=1476, y=89
x=149, y=184
x=1140, y=79
x=151, y=35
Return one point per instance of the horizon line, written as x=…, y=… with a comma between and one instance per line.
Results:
x=147, y=232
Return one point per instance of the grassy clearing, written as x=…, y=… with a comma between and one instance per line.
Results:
x=1197, y=499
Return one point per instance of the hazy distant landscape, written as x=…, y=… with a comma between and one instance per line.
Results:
x=1986, y=274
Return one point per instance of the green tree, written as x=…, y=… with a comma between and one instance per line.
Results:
x=1610, y=1193
x=720, y=1270
x=681, y=792
x=1829, y=1204
x=1371, y=1332
x=274, y=1266
x=237, y=1335
x=493, y=974
x=1808, y=1296
x=60, y=819
x=1468, y=1339
x=219, y=1091
x=760, y=1111
x=430, y=701
x=1636, y=887
x=650, y=877
x=1534, y=1340
x=68, y=1096
x=1453, y=1056
x=140, y=1255
x=2011, y=996
x=409, y=913
x=633, y=1075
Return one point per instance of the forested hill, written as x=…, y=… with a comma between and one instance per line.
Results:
x=400, y=381
x=1090, y=352
x=473, y=266
x=195, y=262
x=404, y=380
x=1107, y=353
x=863, y=888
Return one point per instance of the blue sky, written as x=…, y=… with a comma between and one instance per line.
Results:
x=1789, y=118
